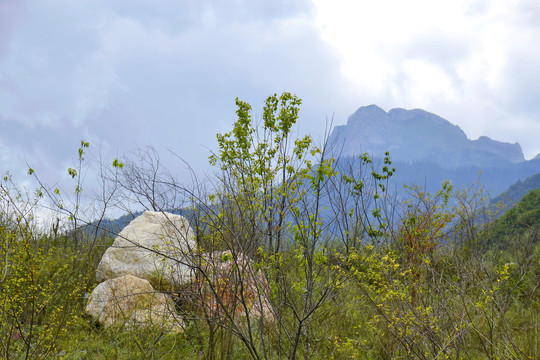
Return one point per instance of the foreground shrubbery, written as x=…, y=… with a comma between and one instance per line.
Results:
x=352, y=272
x=464, y=307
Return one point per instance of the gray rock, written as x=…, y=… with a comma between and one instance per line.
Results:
x=131, y=301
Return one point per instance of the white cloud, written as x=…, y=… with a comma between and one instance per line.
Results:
x=468, y=61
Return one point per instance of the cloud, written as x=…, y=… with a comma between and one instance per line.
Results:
x=471, y=62
x=53, y=73
x=11, y=12
x=164, y=73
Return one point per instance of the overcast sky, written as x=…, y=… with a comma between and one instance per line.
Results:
x=124, y=74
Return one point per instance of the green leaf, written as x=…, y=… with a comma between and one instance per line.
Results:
x=226, y=256
x=117, y=164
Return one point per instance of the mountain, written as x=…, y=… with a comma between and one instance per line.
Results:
x=517, y=191
x=417, y=135
x=427, y=150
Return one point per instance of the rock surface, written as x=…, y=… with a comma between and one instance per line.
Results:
x=239, y=287
x=153, y=247
x=134, y=302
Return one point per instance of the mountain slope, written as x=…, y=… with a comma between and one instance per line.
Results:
x=517, y=191
x=521, y=220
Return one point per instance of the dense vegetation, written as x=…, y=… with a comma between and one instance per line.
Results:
x=353, y=274
x=519, y=222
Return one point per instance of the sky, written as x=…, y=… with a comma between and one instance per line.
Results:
x=124, y=74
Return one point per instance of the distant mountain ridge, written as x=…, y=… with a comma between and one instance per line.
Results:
x=417, y=135
x=427, y=150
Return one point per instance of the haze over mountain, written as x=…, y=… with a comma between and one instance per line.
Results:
x=427, y=149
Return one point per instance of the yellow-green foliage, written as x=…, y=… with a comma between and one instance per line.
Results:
x=439, y=301
x=38, y=294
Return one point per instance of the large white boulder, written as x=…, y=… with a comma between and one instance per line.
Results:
x=155, y=246
x=130, y=301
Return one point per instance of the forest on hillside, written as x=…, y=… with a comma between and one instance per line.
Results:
x=352, y=271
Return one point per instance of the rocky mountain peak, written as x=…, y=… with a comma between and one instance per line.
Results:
x=418, y=135
x=368, y=113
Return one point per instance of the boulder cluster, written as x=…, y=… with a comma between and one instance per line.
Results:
x=153, y=275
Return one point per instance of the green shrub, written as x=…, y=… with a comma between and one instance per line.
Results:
x=39, y=295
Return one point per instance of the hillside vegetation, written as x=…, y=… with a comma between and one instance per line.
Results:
x=352, y=272
x=520, y=221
